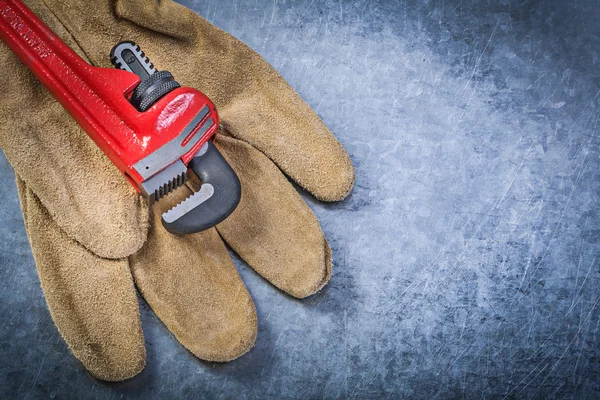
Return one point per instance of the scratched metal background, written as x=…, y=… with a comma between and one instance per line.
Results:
x=467, y=258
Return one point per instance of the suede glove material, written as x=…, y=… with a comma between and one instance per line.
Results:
x=94, y=239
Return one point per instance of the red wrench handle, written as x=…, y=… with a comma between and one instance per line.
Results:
x=86, y=92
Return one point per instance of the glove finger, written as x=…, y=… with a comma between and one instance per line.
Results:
x=83, y=192
x=91, y=300
x=193, y=287
x=273, y=118
x=273, y=229
x=254, y=101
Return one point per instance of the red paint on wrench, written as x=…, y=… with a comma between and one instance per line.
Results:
x=97, y=97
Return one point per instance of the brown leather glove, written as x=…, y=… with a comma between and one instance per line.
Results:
x=94, y=239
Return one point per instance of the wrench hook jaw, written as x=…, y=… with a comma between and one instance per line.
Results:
x=217, y=198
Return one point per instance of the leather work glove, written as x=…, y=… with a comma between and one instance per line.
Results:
x=93, y=238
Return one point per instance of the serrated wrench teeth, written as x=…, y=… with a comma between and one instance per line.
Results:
x=219, y=194
x=206, y=192
x=163, y=183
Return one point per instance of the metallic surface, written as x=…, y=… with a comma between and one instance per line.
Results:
x=213, y=203
x=175, y=148
x=466, y=261
x=165, y=181
x=206, y=191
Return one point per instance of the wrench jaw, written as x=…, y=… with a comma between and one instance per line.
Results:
x=166, y=181
x=219, y=194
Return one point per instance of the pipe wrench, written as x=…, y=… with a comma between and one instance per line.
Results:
x=153, y=130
